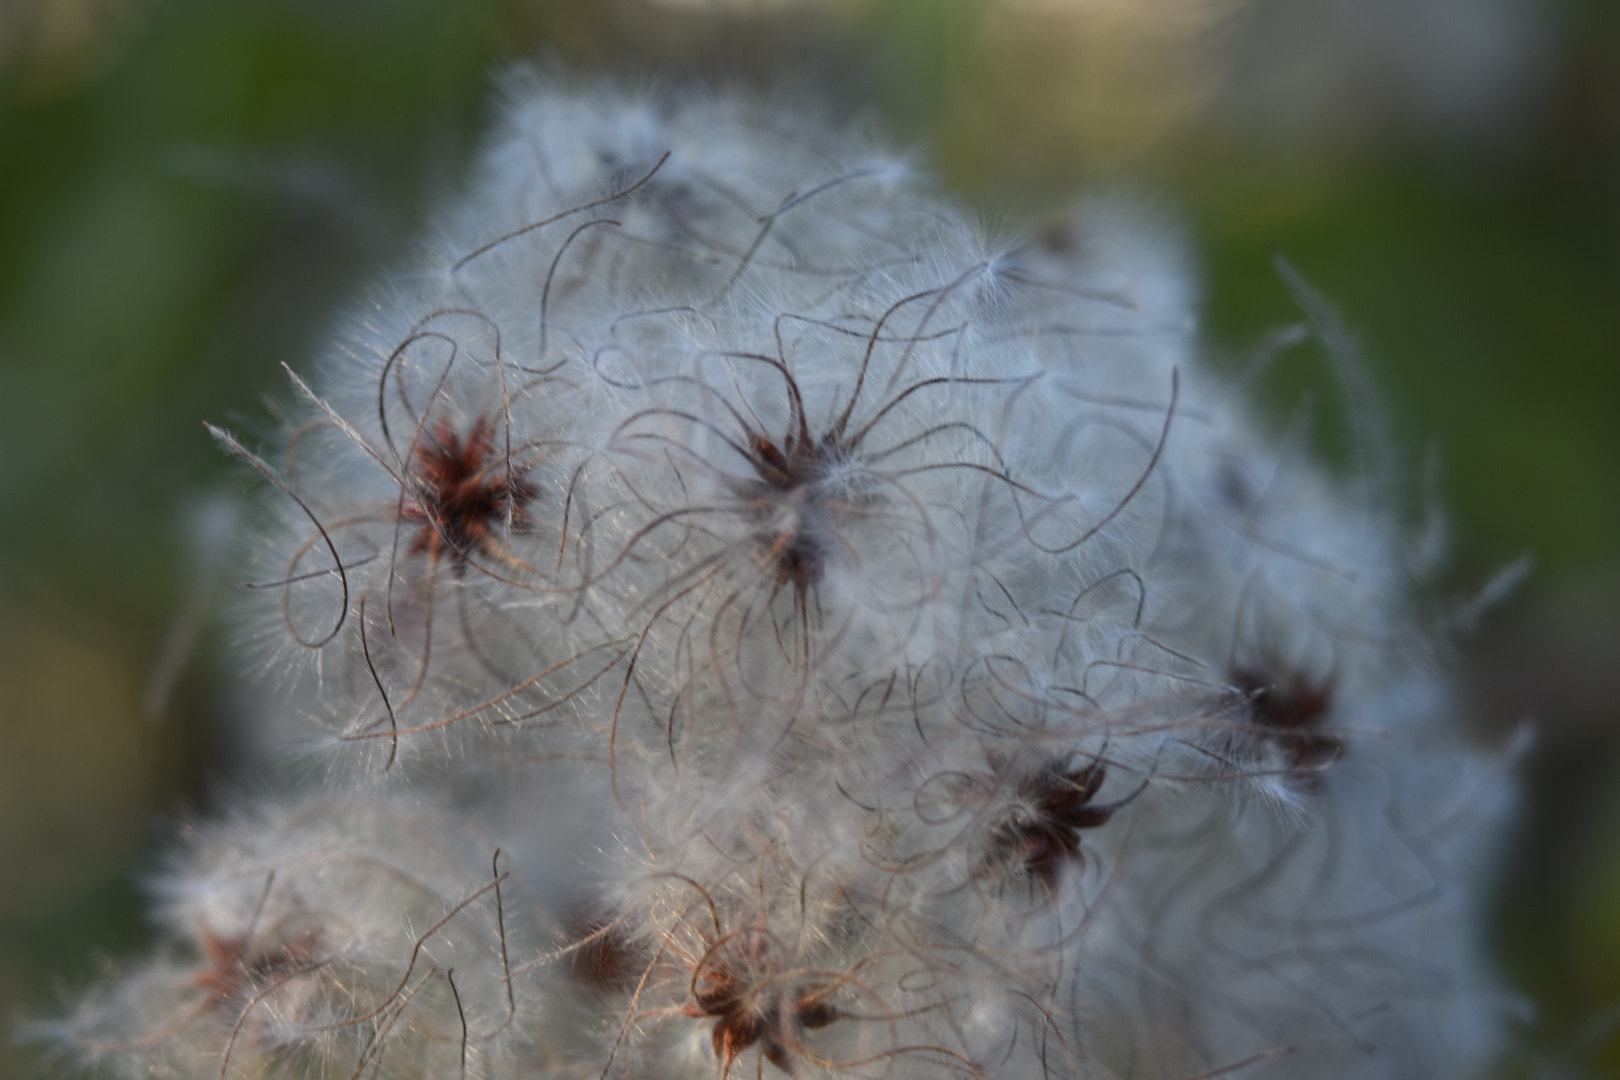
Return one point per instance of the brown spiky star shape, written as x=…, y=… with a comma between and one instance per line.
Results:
x=460, y=489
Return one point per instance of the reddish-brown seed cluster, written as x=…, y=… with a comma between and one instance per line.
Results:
x=239, y=963
x=460, y=489
x=1292, y=713
x=1041, y=831
x=757, y=1006
x=782, y=498
x=774, y=1023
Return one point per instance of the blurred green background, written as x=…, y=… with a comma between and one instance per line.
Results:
x=189, y=189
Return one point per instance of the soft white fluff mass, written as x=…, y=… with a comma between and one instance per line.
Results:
x=749, y=625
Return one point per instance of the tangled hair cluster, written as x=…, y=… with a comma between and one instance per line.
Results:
x=748, y=626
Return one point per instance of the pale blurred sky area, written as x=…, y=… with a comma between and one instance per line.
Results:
x=191, y=189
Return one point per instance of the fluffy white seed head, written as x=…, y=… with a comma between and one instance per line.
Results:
x=752, y=625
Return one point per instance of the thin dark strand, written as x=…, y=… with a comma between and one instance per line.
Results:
x=470, y=312
x=972, y=430
x=1141, y=481
x=624, y=690
x=603, y=201
x=372, y=1053
x=955, y=380
x=826, y=185
x=450, y=977
x=511, y=510
x=311, y=576
x=836, y=430
x=382, y=383
x=265, y=470
x=684, y=252
x=973, y=466
x=940, y=296
x=1124, y=571
x=647, y=530
x=382, y=692
x=796, y=417
x=865, y=335
x=500, y=925
x=677, y=414
x=551, y=274
x=1155, y=643
x=416, y=955
x=1001, y=587
x=767, y=223
x=588, y=554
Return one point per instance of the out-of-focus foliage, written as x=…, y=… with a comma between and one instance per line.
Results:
x=190, y=188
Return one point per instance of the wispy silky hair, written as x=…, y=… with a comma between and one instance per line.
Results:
x=746, y=623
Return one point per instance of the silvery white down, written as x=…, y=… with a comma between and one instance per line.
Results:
x=731, y=618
